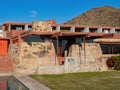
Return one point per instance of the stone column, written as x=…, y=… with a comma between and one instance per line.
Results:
x=106, y=31
x=9, y=27
x=99, y=30
x=58, y=28
x=72, y=29
x=112, y=30
x=86, y=29
x=26, y=27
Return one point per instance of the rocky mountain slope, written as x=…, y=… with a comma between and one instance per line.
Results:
x=103, y=16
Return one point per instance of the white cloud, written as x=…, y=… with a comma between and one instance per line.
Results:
x=33, y=14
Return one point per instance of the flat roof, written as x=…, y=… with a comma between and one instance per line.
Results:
x=17, y=23
x=64, y=25
x=82, y=26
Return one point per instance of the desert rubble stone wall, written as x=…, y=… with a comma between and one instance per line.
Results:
x=40, y=58
x=42, y=26
x=90, y=58
x=27, y=57
x=72, y=65
x=91, y=52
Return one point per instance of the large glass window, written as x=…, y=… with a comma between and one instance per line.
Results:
x=110, y=49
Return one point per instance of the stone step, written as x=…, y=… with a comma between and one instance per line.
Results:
x=5, y=64
x=2, y=67
x=8, y=71
x=3, y=85
x=6, y=68
x=9, y=67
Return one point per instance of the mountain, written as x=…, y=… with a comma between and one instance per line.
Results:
x=103, y=16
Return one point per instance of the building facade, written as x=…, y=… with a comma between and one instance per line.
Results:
x=47, y=47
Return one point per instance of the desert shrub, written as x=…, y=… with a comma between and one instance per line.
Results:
x=117, y=64
x=111, y=62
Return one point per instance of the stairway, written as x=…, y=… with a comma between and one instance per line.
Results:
x=6, y=65
x=3, y=82
x=3, y=85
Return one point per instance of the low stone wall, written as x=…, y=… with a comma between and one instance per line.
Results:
x=72, y=65
x=22, y=82
x=14, y=84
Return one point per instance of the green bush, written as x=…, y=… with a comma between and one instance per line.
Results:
x=117, y=65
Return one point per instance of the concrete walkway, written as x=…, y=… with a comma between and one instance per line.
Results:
x=31, y=83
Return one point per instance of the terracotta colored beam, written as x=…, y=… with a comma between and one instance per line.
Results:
x=79, y=26
x=109, y=42
x=17, y=23
x=95, y=35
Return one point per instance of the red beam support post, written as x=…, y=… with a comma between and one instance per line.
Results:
x=20, y=40
x=57, y=46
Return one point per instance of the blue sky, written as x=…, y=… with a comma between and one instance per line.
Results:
x=61, y=10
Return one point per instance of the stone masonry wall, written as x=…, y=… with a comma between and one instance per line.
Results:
x=42, y=26
x=89, y=58
x=27, y=57
x=91, y=52
x=40, y=58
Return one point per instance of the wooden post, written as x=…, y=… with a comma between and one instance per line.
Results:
x=112, y=49
x=84, y=42
x=60, y=47
x=11, y=41
x=20, y=40
x=80, y=54
x=109, y=50
x=57, y=45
